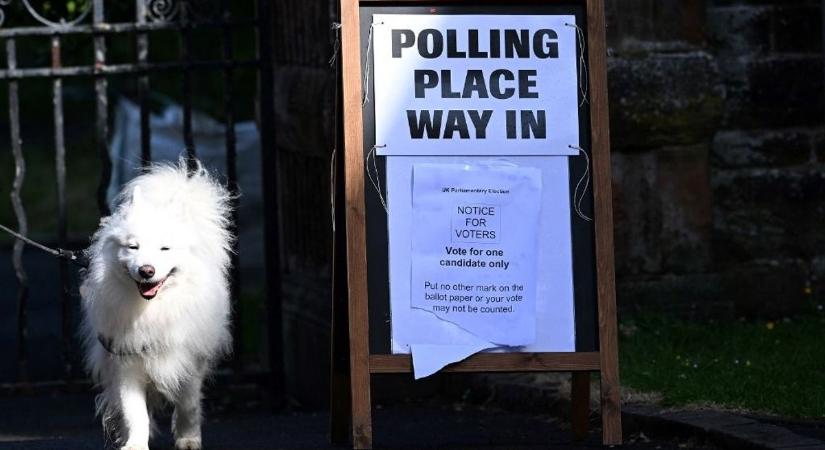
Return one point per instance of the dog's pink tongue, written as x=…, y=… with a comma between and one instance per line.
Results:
x=149, y=290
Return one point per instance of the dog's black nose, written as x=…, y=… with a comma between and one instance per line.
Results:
x=147, y=271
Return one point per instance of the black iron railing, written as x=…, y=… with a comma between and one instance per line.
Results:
x=183, y=17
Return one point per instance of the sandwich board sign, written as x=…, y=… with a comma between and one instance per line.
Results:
x=476, y=227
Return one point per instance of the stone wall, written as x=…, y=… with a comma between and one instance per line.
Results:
x=304, y=87
x=716, y=114
x=666, y=103
x=767, y=158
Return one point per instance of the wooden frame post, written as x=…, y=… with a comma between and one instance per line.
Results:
x=362, y=363
x=603, y=204
x=580, y=403
x=356, y=226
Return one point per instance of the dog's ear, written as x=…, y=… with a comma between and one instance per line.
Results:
x=137, y=196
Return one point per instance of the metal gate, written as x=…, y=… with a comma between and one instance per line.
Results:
x=83, y=42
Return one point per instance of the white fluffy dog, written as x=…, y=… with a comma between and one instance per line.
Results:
x=156, y=302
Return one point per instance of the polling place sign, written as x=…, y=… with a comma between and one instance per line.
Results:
x=476, y=117
x=475, y=84
x=476, y=240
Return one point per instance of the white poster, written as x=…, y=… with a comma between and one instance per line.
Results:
x=475, y=84
x=499, y=94
x=435, y=342
x=473, y=249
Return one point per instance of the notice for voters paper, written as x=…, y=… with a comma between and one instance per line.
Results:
x=435, y=342
x=474, y=248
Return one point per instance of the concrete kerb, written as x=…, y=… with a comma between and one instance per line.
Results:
x=550, y=393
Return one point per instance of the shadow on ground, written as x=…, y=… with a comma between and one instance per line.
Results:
x=66, y=422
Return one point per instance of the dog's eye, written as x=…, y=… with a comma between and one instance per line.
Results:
x=163, y=249
x=133, y=246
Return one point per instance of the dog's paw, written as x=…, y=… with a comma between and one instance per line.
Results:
x=134, y=447
x=188, y=444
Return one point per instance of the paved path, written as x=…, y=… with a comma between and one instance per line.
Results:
x=66, y=423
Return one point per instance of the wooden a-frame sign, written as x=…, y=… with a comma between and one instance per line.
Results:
x=353, y=362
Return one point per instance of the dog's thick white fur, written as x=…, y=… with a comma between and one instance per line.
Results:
x=156, y=302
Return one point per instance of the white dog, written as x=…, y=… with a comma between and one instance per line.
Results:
x=156, y=302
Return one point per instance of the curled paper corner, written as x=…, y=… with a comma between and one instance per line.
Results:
x=429, y=359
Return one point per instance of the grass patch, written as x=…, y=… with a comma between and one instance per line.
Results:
x=769, y=367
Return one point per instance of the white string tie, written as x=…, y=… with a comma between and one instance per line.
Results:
x=585, y=178
x=583, y=79
x=375, y=176
x=336, y=46
x=332, y=188
x=368, y=66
